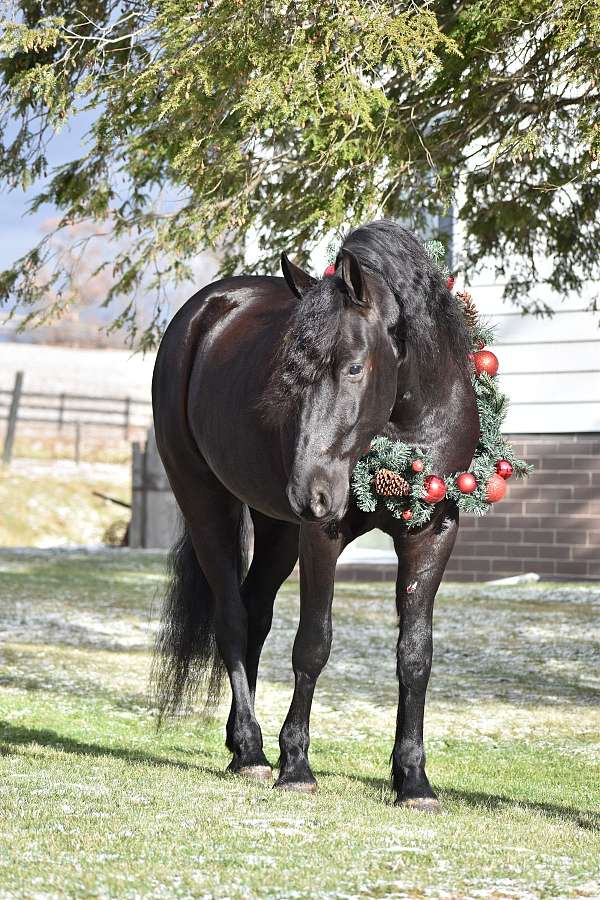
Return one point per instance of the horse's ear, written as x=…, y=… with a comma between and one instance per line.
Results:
x=298, y=281
x=354, y=279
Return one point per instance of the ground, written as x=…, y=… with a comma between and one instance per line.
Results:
x=98, y=804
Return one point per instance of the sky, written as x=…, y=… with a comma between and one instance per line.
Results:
x=19, y=231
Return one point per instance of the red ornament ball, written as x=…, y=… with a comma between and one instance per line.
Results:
x=406, y=515
x=495, y=489
x=485, y=361
x=330, y=270
x=451, y=280
x=504, y=468
x=435, y=489
x=417, y=465
x=466, y=483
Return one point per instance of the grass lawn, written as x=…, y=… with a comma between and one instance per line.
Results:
x=97, y=804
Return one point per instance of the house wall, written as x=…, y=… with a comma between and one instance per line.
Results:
x=549, y=524
x=549, y=367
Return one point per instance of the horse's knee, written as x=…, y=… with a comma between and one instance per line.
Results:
x=414, y=665
x=310, y=655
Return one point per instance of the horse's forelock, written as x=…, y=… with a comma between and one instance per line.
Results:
x=307, y=351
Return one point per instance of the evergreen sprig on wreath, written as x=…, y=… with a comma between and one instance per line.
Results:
x=494, y=461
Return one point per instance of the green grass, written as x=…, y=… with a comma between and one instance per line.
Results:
x=97, y=804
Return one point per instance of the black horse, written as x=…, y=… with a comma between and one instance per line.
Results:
x=266, y=392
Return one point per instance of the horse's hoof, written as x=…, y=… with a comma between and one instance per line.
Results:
x=299, y=787
x=421, y=804
x=257, y=773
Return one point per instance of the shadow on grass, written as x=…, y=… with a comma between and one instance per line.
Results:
x=583, y=818
x=14, y=736
x=586, y=819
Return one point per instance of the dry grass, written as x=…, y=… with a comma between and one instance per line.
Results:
x=52, y=504
x=108, y=445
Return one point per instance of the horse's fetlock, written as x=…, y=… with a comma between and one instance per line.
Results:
x=408, y=756
x=245, y=736
x=294, y=740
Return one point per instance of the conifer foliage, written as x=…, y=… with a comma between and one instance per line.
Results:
x=214, y=124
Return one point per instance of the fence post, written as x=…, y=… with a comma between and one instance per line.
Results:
x=127, y=417
x=77, y=442
x=13, y=415
x=61, y=412
x=138, y=490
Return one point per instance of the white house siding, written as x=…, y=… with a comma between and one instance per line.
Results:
x=550, y=367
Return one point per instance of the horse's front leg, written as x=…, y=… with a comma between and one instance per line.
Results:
x=422, y=558
x=318, y=557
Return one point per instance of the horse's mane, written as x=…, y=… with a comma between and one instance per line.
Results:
x=428, y=314
x=425, y=315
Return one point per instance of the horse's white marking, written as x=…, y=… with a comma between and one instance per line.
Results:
x=412, y=587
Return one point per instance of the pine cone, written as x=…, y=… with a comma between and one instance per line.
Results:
x=469, y=309
x=390, y=484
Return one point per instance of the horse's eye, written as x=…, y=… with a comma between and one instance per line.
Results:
x=355, y=369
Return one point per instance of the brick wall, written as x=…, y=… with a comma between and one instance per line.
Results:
x=548, y=523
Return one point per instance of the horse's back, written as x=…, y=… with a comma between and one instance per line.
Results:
x=212, y=303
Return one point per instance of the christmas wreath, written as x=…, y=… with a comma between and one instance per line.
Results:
x=402, y=478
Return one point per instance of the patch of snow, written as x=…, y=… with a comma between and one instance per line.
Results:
x=526, y=578
x=102, y=372
x=68, y=470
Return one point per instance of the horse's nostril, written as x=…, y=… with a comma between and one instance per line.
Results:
x=320, y=504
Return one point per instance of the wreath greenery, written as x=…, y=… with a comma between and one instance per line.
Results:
x=402, y=478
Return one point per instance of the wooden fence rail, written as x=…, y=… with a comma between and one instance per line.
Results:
x=68, y=409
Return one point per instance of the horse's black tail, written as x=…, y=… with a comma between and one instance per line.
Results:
x=186, y=656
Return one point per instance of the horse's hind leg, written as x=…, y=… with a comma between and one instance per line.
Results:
x=215, y=520
x=275, y=554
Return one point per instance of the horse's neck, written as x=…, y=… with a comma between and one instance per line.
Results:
x=435, y=410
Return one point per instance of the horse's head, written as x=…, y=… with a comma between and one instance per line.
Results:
x=335, y=378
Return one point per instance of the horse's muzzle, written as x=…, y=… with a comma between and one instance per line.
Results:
x=317, y=502
x=314, y=505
